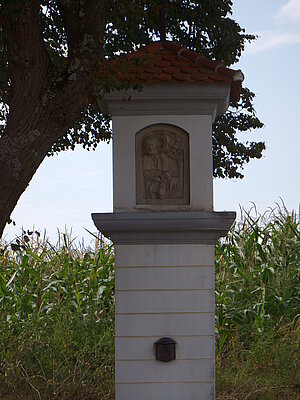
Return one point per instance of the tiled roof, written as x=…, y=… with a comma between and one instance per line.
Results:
x=172, y=63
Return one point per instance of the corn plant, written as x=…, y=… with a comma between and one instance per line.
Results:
x=258, y=275
x=56, y=319
x=37, y=278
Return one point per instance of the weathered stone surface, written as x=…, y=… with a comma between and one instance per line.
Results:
x=200, y=168
x=162, y=165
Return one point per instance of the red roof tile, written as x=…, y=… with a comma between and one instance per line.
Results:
x=172, y=63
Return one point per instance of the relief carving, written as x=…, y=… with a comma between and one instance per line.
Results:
x=162, y=162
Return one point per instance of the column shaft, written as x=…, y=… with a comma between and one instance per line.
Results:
x=164, y=290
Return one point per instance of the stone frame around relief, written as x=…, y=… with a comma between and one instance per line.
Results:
x=162, y=161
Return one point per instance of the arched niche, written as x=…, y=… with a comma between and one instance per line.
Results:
x=162, y=166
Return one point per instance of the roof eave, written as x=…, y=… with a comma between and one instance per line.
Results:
x=171, y=99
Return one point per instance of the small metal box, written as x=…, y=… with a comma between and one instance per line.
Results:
x=165, y=349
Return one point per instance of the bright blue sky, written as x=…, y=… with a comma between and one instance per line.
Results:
x=67, y=188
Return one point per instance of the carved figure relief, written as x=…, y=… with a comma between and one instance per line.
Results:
x=162, y=165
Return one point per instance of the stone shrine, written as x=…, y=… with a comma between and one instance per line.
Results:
x=163, y=226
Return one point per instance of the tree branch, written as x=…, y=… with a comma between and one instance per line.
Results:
x=84, y=25
x=28, y=57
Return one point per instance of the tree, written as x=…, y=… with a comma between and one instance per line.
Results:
x=52, y=55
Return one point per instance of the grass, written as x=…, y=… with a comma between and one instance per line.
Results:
x=57, y=315
x=268, y=369
x=258, y=308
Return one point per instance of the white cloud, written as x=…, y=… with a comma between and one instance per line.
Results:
x=268, y=40
x=276, y=38
x=289, y=12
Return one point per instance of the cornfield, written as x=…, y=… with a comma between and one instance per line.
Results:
x=57, y=319
x=57, y=314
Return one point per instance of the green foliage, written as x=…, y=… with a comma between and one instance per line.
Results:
x=38, y=279
x=54, y=32
x=56, y=320
x=267, y=369
x=229, y=154
x=62, y=356
x=57, y=315
x=93, y=128
x=257, y=308
x=258, y=276
x=204, y=26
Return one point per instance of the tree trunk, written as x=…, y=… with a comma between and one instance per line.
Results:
x=44, y=102
x=17, y=169
x=20, y=156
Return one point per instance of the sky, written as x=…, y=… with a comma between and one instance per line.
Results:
x=68, y=187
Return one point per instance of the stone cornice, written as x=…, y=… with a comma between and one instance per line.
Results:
x=183, y=99
x=198, y=227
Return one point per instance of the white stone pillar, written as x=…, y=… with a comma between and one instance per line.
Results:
x=164, y=245
x=164, y=288
x=165, y=291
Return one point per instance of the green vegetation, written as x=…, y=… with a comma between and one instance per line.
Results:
x=258, y=309
x=56, y=321
x=57, y=313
